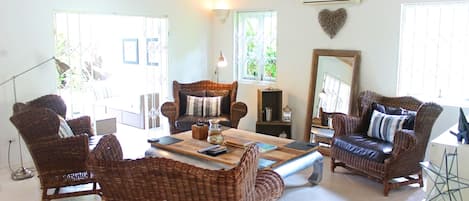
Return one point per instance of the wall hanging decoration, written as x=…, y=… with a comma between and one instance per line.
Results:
x=130, y=51
x=332, y=21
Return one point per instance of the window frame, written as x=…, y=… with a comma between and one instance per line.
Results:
x=239, y=68
x=444, y=96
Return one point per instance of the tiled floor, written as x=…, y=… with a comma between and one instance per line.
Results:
x=339, y=186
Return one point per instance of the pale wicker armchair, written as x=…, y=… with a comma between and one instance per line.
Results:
x=60, y=162
x=153, y=179
x=380, y=160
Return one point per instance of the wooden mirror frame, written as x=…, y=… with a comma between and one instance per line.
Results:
x=312, y=84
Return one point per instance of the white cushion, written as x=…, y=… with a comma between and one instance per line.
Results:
x=64, y=130
x=384, y=126
x=212, y=106
x=194, y=106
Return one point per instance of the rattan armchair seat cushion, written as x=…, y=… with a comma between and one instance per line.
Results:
x=185, y=122
x=365, y=147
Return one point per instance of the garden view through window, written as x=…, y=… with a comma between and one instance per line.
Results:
x=256, y=45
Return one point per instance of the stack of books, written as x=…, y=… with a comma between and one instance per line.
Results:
x=238, y=142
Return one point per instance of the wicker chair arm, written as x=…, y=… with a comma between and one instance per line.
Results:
x=404, y=141
x=238, y=111
x=346, y=125
x=171, y=111
x=269, y=185
x=81, y=125
x=63, y=155
x=107, y=149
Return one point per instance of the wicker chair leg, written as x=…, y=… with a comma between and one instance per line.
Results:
x=44, y=195
x=387, y=187
x=420, y=179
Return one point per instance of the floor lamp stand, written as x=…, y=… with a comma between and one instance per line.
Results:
x=22, y=172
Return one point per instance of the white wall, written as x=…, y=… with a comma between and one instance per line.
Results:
x=27, y=37
x=371, y=27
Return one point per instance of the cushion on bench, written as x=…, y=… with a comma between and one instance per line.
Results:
x=364, y=146
x=185, y=122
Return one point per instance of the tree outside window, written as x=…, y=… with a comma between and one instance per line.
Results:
x=256, y=45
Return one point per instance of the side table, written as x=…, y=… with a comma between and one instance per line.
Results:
x=447, y=158
x=445, y=178
x=274, y=128
x=323, y=136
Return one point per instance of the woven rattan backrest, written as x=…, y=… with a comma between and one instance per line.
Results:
x=166, y=179
x=36, y=124
x=427, y=113
x=204, y=85
x=51, y=101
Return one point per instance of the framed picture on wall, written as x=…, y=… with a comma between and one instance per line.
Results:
x=153, y=58
x=130, y=50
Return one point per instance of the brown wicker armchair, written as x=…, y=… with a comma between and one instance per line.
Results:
x=231, y=111
x=153, y=179
x=60, y=162
x=353, y=149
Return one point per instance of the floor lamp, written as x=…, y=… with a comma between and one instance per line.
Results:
x=22, y=172
x=221, y=63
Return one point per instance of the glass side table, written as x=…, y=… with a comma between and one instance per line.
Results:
x=447, y=185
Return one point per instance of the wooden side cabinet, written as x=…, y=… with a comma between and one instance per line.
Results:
x=271, y=99
x=274, y=128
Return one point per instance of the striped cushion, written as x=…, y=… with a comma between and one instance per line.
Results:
x=194, y=106
x=212, y=106
x=384, y=126
x=64, y=129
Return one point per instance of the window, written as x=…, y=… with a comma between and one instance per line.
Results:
x=256, y=45
x=434, y=47
x=335, y=94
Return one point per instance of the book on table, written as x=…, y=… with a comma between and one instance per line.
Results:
x=238, y=142
x=264, y=147
x=263, y=163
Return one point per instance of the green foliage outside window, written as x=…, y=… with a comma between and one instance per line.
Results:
x=251, y=53
x=270, y=67
x=257, y=45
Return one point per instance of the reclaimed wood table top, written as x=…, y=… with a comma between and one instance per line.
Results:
x=190, y=146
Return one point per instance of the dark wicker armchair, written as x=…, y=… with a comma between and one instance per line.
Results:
x=60, y=162
x=231, y=111
x=377, y=159
x=153, y=179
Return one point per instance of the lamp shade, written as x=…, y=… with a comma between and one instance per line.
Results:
x=221, y=61
x=61, y=66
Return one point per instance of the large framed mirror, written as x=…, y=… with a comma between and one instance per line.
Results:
x=333, y=86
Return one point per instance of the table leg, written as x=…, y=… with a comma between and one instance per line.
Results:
x=316, y=176
x=314, y=159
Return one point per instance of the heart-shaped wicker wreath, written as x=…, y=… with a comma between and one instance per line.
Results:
x=332, y=21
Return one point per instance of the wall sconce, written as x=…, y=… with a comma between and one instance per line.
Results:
x=221, y=14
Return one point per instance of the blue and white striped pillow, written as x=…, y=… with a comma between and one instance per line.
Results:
x=212, y=106
x=384, y=126
x=194, y=106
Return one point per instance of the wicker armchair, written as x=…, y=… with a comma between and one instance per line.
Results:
x=153, y=179
x=231, y=111
x=404, y=154
x=60, y=162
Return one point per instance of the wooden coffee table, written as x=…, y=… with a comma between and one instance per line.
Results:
x=288, y=160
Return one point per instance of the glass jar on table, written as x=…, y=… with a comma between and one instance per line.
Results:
x=214, y=132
